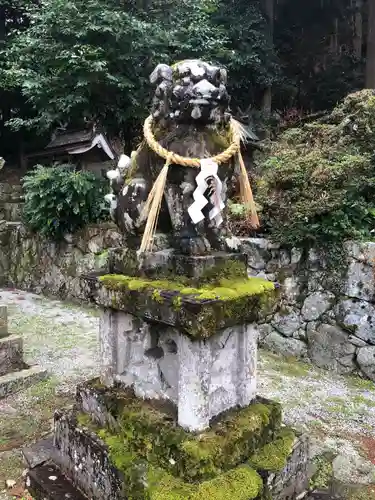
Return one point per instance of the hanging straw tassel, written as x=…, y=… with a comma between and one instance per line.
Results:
x=247, y=194
x=152, y=208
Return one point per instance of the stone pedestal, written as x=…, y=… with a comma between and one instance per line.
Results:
x=3, y=321
x=14, y=373
x=175, y=413
x=202, y=377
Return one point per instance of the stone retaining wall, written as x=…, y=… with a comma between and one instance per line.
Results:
x=32, y=263
x=11, y=202
x=326, y=317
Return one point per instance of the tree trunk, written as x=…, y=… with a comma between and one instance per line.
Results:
x=358, y=29
x=2, y=24
x=370, y=62
x=267, y=96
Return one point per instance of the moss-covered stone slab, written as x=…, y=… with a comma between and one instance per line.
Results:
x=103, y=466
x=148, y=429
x=283, y=464
x=198, y=312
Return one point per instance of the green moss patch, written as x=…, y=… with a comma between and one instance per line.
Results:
x=149, y=430
x=241, y=483
x=273, y=456
x=200, y=312
x=324, y=472
x=144, y=479
x=224, y=289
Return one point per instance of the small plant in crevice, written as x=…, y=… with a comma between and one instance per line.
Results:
x=61, y=200
x=239, y=221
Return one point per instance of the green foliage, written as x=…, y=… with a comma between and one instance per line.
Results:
x=91, y=59
x=250, y=58
x=13, y=20
x=318, y=184
x=60, y=200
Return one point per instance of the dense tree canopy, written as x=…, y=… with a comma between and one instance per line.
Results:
x=66, y=62
x=90, y=59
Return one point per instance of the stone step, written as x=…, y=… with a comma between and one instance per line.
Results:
x=46, y=482
x=11, y=354
x=16, y=381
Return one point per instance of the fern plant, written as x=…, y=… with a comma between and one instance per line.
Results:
x=60, y=200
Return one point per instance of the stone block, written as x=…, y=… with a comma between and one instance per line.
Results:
x=358, y=317
x=360, y=283
x=366, y=361
x=285, y=345
x=316, y=305
x=329, y=348
x=284, y=465
x=46, y=482
x=195, y=463
x=287, y=321
x=166, y=263
x=3, y=321
x=39, y=453
x=11, y=354
x=84, y=458
x=198, y=313
x=291, y=289
x=202, y=377
x=257, y=251
x=17, y=381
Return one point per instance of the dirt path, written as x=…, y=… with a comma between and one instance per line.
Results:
x=338, y=412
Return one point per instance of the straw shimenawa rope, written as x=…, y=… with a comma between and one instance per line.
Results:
x=153, y=204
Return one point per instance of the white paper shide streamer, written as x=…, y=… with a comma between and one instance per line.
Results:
x=208, y=171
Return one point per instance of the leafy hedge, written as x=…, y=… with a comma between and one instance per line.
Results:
x=60, y=200
x=318, y=181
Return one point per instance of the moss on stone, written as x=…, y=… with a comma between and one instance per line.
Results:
x=150, y=431
x=324, y=472
x=198, y=311
x=241, y=483
x=231, y=270
x=226, y=289
x=164, y=486
x=157, y=297
x=273, y=456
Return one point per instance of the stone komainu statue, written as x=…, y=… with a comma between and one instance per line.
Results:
x=190, y=121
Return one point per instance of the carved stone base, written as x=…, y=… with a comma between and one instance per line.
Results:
x=202, y=378
x=114, y=445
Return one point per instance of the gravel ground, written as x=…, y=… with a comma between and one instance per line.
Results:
x=338, y=412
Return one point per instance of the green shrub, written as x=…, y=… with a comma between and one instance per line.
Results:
x=60, y=200
x=318, y=182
